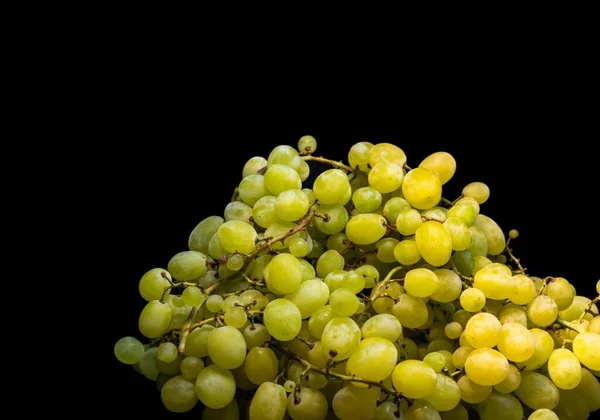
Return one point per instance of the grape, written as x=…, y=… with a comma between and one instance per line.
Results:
x=358, y=156
x=129, y=350
x=453, y=330
x=446, y=395
x=289, y=386
x=307, y=144
x=537, y=391
x=332, y=187
x=261, y=365
x=542, y=311
x=374, y=360
x=299, y=247
x=148, y=364
x=471, y=392
x=365, y=229
x=408, y=221
x=308, y=404
x=319, y=319
x=215, y=387
x=268, y=403
x=516, y=343
x=370, y=274
x=388, y=411
x=235, y=317
x=191, y=367
x=464, y=262
x=422, y=188
x=393, y=207
x=579, y=305
x=178, y=394
x=478, y=190
x=283, y=274
x=383, y=325
x=561, y=292
x=411, y=311
x=496, y=241
x=590, y=388
x=442, y=163
x=309, y=297
x=386, y=152
x=421, y=282
x=254, y=187
x=230, y=412
x=343, y=302
x=511, y=382
x=414, y=379
x=422, y=410
x=154, y=283
x=586, y=347
x=564, y=369
x=524, y=290
x=543, y=346
x=543, y=414
x=154, y=319
x=385, y=250
x=495, y=281
x=337, y=218
x=460, y=355
x=407, y=252
x=226, y=347
x=192, y=296
x=166, y=352
x=439, y=214
x=263, y=212
x=501, y=407
x=341, y=338
x=291, y=205
x=354, y=281
x=457, y=413
x=434, y=243
x=386, y=177
x=472, y=300
x=483, y=330
x=237, y=210
x=203, y=232
x=354, y=403
x=187, y=265
x=282, y=319
x=253, y=165
x=467, y=213
x=435, y=360
x=308, y=271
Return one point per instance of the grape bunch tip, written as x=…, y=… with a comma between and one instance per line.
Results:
x=365, y=296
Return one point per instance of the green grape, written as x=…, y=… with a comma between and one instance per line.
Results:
x=408, y=221
x=343, y=302
x=442, y=163
x=187, y=265
x=253, y=165
x=354, y=281
x=237, y=236
x=162, y=379
x=564, y=369
x=543, y=346
x=478, y=190
x=230, y=412
x=354, y=403
x=495, y=237
x=440, y=344
x=446, y=395
x=409, y=349
x=291, y=205
x=589, y=387
x=464, y=262
x=329, y=261
x=449, y=287
x=421, y=282
x=542, y=311
x=385, y=250
x=453, y=330
x=407, y=252
x=462, y=317
x=365, y=229
x=256, y=335
x=153, y=284
x=284, y=155
x=203, y=232
x=308, y=271
x=493, y=307
x=358, y=156
x=524, y=290
x=422, y=409
x=191, y=367
x=459, y=233
x=434, y=243
x=226, y=347
x=460, y=355
x=279, y=178
x=472, y=300
x=178, y=394
x=577, y=308
x=299, y=247
x=422, y=188
x=559, y=289
x=374, y=360
x=282, y=319
x=436, y=330
x=594, y=325
x=495, y=281
x=543, y=414
x=464, y=212
x=263, y=212
x=129, y=350
x=366, y=199
x=341, y=337
x=235, y=317
x=435, y=213
x=571, y=405
x=307, y=404
x=370, y=274
x=215, y=250
x=215, y=387
x=310, y=195
x=235, y=262
x=516, y=343
x=148, y=364
x=283, y=274
x=332, y=187
x=307, y=145
x=388, y=411
x=167, y=352
x=338, y=242
x=309, y=297
x=457, y=413
x=319, y=319
x=501, y=406
x=382, y=325
x=586, y=347
x=317, y=357
x=414, y=379
x=236, y=210
x=512, y=381
x=261, y=365
x=411, y=311
x=336, y=218
x=386, y=177
x=254, y=187
x=483, y=330
x=289, y=386
x=386, y=152
x=192, y=296
x=268, y=403
x=154, y=319
x=393, y=207
x=513, y=313
x=280, y=228
x=435, y=360
x=471, y=392
x=230, y=302
x=537, y=391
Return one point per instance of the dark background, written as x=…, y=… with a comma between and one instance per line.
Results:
x=175, y=164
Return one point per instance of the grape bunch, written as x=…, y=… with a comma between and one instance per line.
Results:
x=367, y=296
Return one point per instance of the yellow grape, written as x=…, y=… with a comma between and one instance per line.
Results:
x=414, y=379
x=511, y=382
x=524, y=290
x=471, y=392
x=434, y=243
x=590, y=388
x=449, y=288
x=495, y=281
x=486, y=367
x=543, y=414
x=483, y=330
x=411, y=311
x=513, y=313
x=560, y=290
x=493, y=233
x=422, y=188
x=383, y=325
x=586, y=347
x=354, y=403
x=341, y=338
x=460, y=355
x=472, y=300
x=421, y=282
x=516, y=343
x=332, y=187
x=537, y=391
x=446, y=395
x=564, y=369
x=365, y=229
x=374, y=360
x=386, y=152
x=407, y=252
x=442, y=163
x=386, y=177
x=477, y=190
x=358, y=156
x=543, y=346
x=542, y=311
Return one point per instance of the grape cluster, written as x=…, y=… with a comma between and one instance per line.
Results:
x=369, y=296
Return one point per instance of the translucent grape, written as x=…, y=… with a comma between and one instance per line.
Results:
x=453, y=330
x=191, y=367
x=153, y=284
x=513, y=313
x=459, y=233
x=516, y=343
x=495, y=281
x=364, y=229
x=200, y=236
x=374, y=360
x=237, y=210
x=358, y=156
x=282, y=319
x=268, y=403
x=341, y=337
x=148, y=364
x=237, y=236
x=435, y=360
x=446, y=395
x=235, y=317
x=226, y=347
x=308, y=404
x=421, y=282
x=543, y=346
x=407, y=252
x=283, y=274
x=385, y=250
x=483, y=330
x=471, y=392
x=411, y=311
x=167, y=352
x=559, y=289
x=307, y=144
x=309, y=297
x=261, y=365
x=354, y=281
x=299, y=247
x=253, y=165
x=537, y=391
x=253, y=187
x=187, y=265
x=479, y=244
x=543, y=414
x=408, y=221
x=542, y=311
x=215, y=387
x=414, y=379
x=343, y=302
x=129, y=350
x=393, y=207
x=478, y=190
x=464, y=212
x=154, y=319
x=442, y=163
x=319, y=319
x=503, y=406
x=472, y=300
x=192, y=296
x=434, y=243
x=386, y=177
x=449, y=287
x=291, y=205
x=512, y=381
x=332, y=187
x=586, y=347
x=564, y=369
x=277, y=179
x=386, y=152
x=493, y=233
x=382, y=325
x=422, y=188
x=524, y=290
x=178, y=394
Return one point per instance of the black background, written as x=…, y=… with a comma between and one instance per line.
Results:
x=175, y=164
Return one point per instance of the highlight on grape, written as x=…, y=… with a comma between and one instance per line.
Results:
x=367, y=296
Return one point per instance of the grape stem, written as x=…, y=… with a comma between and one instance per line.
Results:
x=544, y=283
x=570, y=325
x=381, y=287
x=308, y=343
x=588, y=310
x=514, y=259
x=327, y=161
x=462, y=276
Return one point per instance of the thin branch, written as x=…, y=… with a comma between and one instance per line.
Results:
x=570, y=325
x=339, y=165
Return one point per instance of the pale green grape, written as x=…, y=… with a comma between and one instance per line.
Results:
x=354, y=403
x=289, y=386
x=483, y=330
x=299, y=247
x=284, y=155
x=496, y=241
x=255, y=335
x=393, y=207
x=524, y=290
x=434, y=243
x=154, y=319
x=479, y=245
x=385, y=250
x=511, y=382
x=192, y=296
x=460, y=355
x=421, y=282
x=187, y=265
x=453, y=330
x=407, y=252
x=365, y=229
x=422, y=188
x=319, y=319
x=235, y=317
x=471, y=392
x=457, y=413
x=586, y=347
x=589, y=387
x=370, y=274
x=200, y=236
x=309, y=297
x=459, y=233
x=442, y=163
x=215, y=250
x=261, y=365
x=516, y=342
x=559, y=289
x=226, y=347
x=495, y=281
x=343, y=302
x=148, y=364
x=283, y=274
x=354, y=281
x=439, y=345
x=387, y=411
x=332, y=187
x=358, y=156
x=191, y=367
x=230, y=302
x=386, y=152
x=341, y=337
x=253, y=165
x=382, y=325
x=435, y=213
x=229, y=412
x=178, y=394
x=374, y=360
x=263, y=212
x=329, y=261
x=291, y=205
x=472, y=300
x=236, y=210
x=197, y=343
x=235, y=262
x=478, y=190
x=167, y=352
x=282, y=319
x=366, y=199
x=336, y=218
x=422, y=409
x=414, y=379
x=279, y=178
x=464, y=212
x=237, y=236
x=268, y=403
x=537, y=391
x=129, y=350
x=303, y=171
x=310, y=195
x=153, y=284
x=543, y=414
x=307, y=145
x=435, y=360
x=564, y=369
x=215, y=387
x=446, y=395
x=579, y=305
x=411, y=311
x=449, y=287
x=462, y=317
x=408, y=221
x=254, y=187
x=308, y=271
x=308, y=404
x=594, y=325
x=501, y=407
x=543, y=346
x=280, y=228
x=386, y=177
x=542, y=311
x=338, y=241
x=317, y=357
